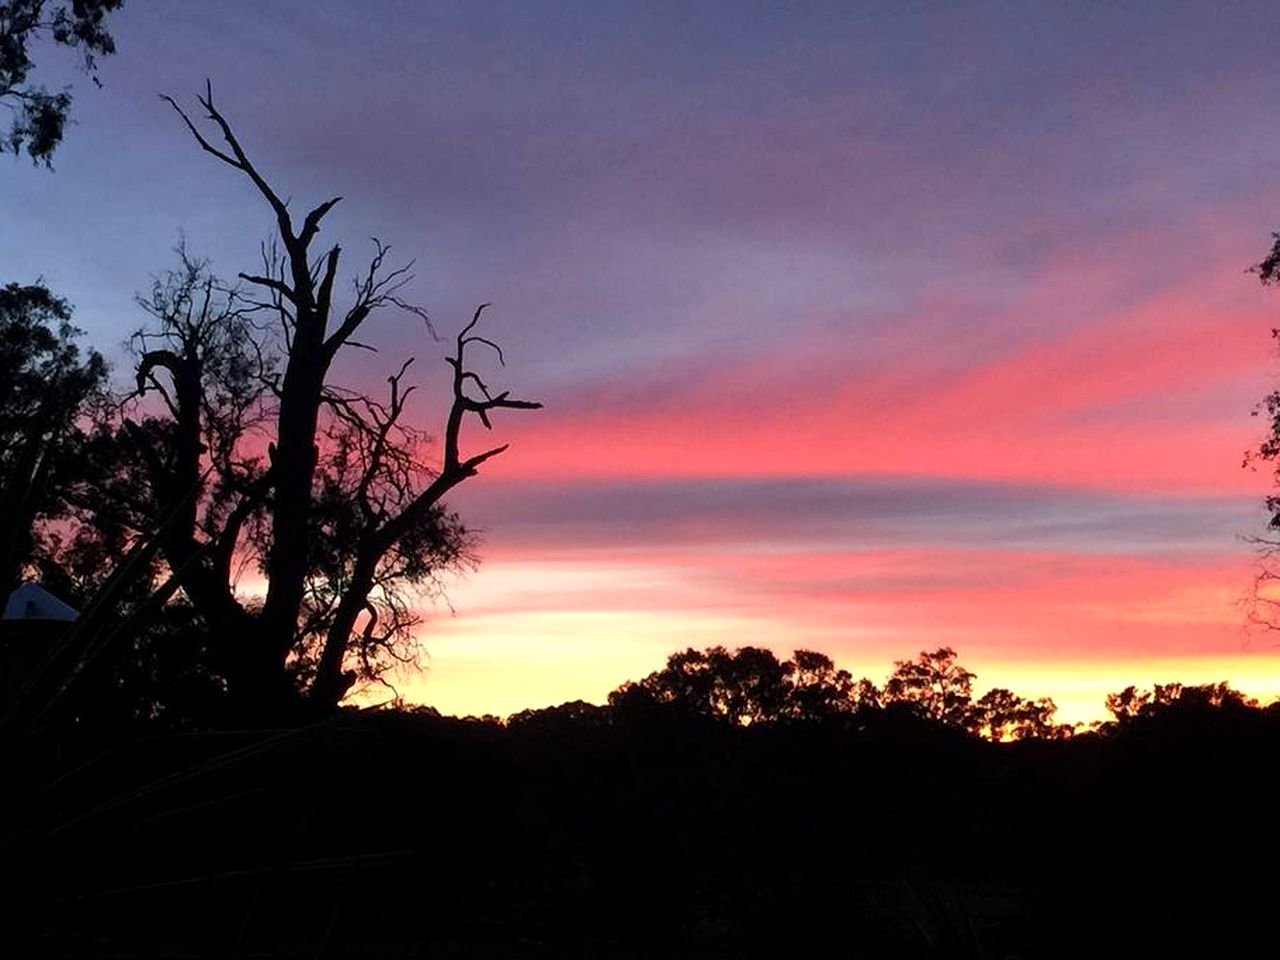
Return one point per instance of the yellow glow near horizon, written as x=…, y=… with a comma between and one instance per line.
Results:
x=507, y=664
x=530, y=636
x=1079, y=688
x=502, y=663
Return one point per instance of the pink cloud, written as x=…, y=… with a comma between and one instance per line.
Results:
x=1129, y=398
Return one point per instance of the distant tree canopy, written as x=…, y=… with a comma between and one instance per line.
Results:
x=1174, y=703
x=750, y=686
x=934, y=685
x=745, y=686
x=39, y=117
x=1002, y=715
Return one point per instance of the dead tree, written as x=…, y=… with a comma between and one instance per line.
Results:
x=393, y=514
x=395, y=499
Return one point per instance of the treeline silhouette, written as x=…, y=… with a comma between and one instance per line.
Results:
x=730, y=804
x=751, y=686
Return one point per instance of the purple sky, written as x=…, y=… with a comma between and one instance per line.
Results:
x=848, y=319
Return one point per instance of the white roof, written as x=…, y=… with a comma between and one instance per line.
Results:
x=33, y=602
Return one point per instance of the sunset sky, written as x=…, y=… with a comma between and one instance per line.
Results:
x=863, y=328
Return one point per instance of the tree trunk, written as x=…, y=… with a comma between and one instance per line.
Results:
x=331, y=682
x=260, y=690
x=294, y=466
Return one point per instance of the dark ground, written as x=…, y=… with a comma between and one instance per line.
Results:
x=398, y=835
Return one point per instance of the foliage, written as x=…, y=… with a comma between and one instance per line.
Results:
x=1173, y=702
x=934, y=685
x=39, y=116
x=1000, y=714
x=46, y=384
x=742, y=687
x=750, y=686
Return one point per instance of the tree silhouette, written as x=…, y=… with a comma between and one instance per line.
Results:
x=746, y=686
x=46, y=383
x=257, y=456
x=1128, y=704
x=39, y=117
x=820, y=690
x=1165, y=704
x=751, y=686
x=1001, y=714
x=933, y=685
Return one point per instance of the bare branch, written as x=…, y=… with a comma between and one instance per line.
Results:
x=200, y=138
x=311, y=225
x=417, y=312
x=488, y=343
x=373, y=291
x=271, y=283
x=475, y=318
x=237, y=158
x=166, y=359
x=471, y=464
x=325, y=297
